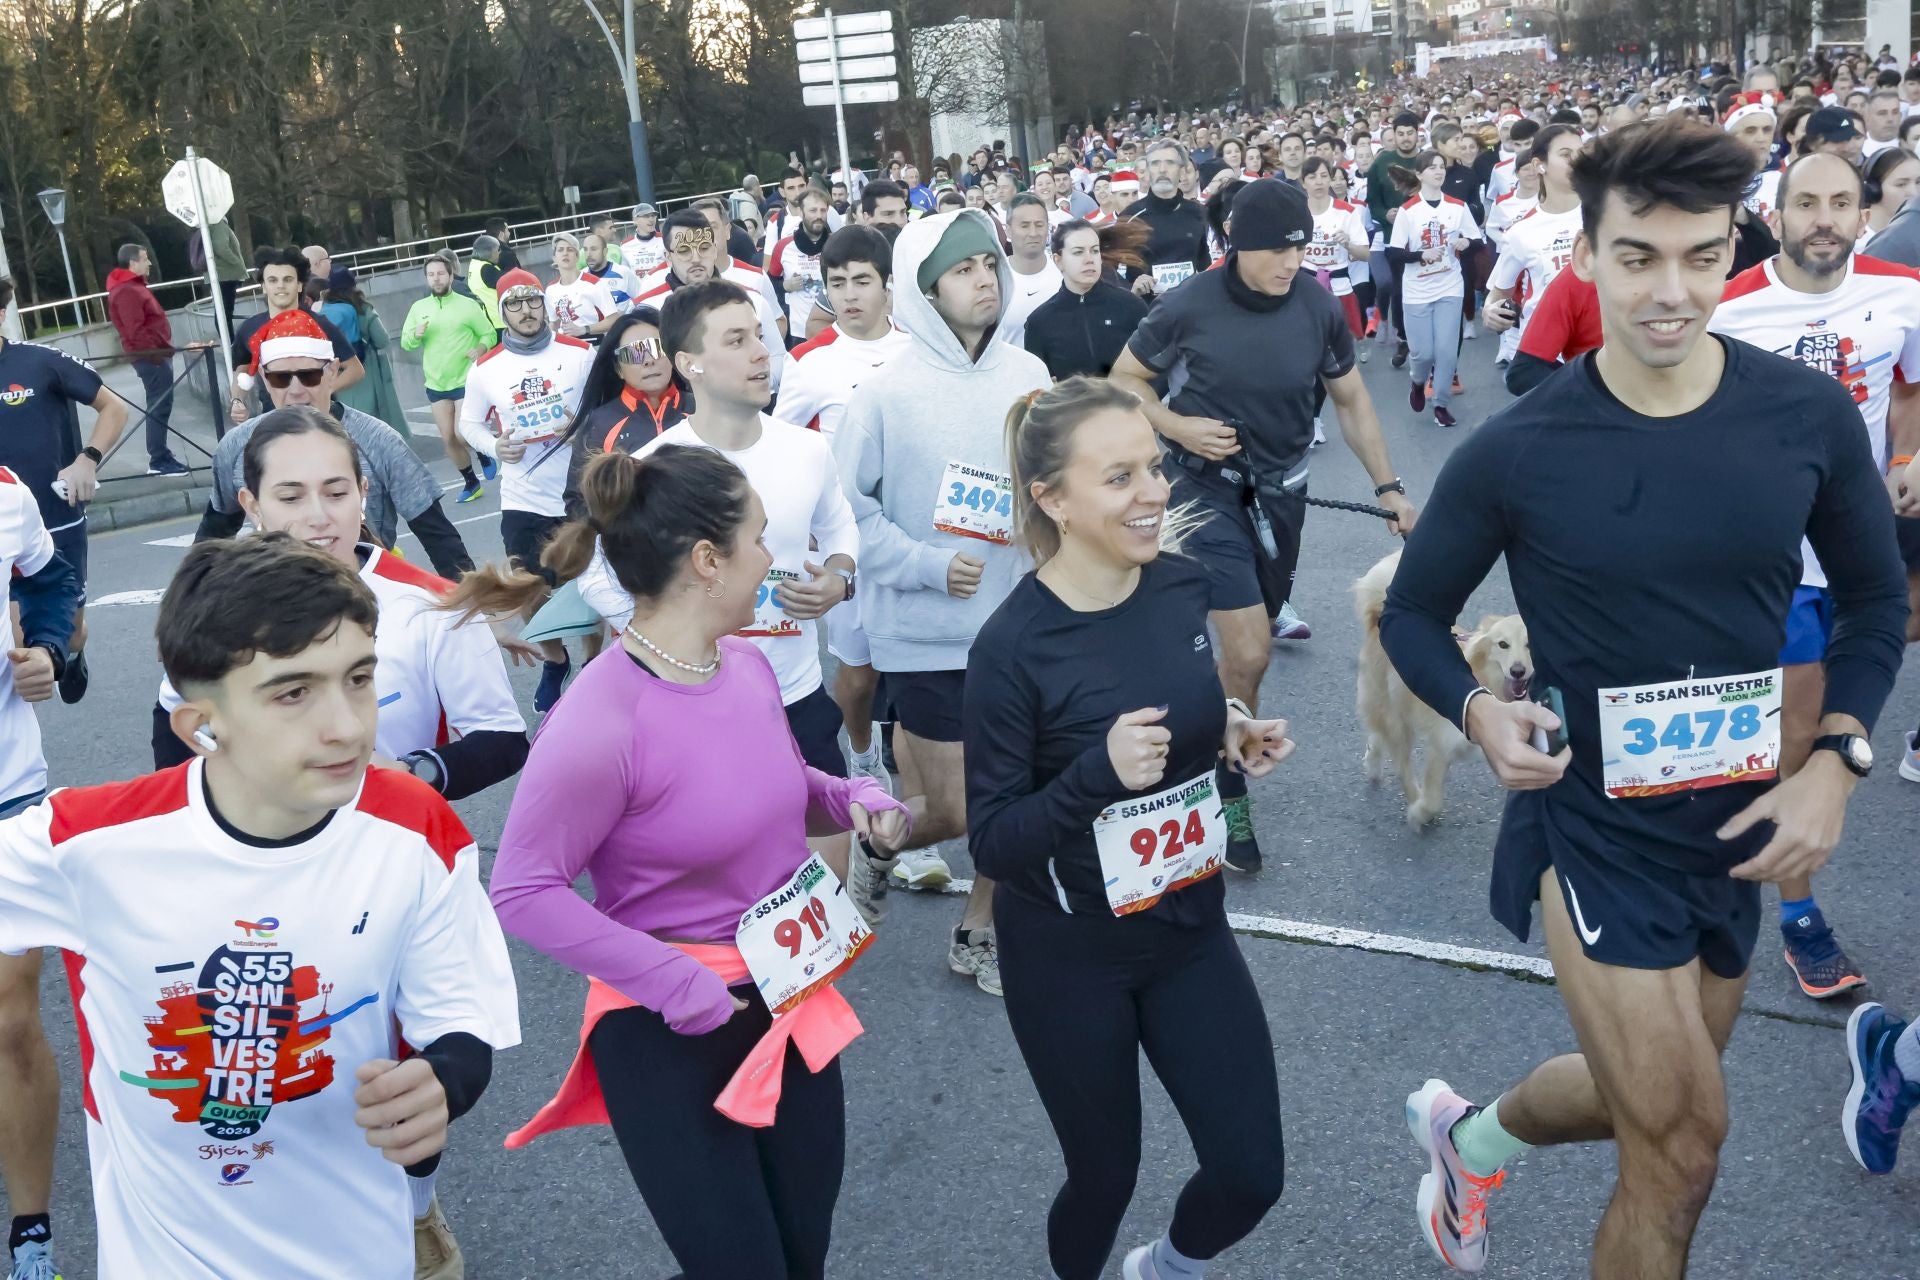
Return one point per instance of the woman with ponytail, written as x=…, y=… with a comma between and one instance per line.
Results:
x=669, y=778
x=1084, y=326
x=1094, y=725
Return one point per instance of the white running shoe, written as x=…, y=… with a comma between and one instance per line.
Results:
x=867, y=882
x=1138, y=1265
x=1319, y=434
x=1910, y=761
x=921, y=869
x=975, y=955
x=871, y=765
x=1452, y=1202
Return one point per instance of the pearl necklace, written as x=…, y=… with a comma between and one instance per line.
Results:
x=697, y=668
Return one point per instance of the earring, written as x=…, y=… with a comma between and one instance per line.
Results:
x=716, y=589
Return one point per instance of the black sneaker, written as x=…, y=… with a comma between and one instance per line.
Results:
x=73, y=681
x=167, y=467
x=1400, y=355
x=1243, y=851
x=553, y=678
x=1821, y=968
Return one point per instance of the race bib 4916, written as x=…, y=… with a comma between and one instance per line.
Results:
x=1688, y=734
x=974, y=503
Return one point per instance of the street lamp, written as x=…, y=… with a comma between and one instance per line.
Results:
x=54, y=201
x=630, y=81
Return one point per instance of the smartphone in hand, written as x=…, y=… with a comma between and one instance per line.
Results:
x=1551, y=741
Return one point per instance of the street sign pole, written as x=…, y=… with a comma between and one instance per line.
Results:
x=213, y=276
x=839, y=104
x=846, y=60
x=10, y=321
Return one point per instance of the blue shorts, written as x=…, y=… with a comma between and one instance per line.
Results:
x=1809, y=626
x=458, y=393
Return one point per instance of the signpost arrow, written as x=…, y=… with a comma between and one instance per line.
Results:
x=199, y=193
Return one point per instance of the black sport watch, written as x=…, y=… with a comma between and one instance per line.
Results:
x=1395, y=485
x=92, y=454
x=1854, y=751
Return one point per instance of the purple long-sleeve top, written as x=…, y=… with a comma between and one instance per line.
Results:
x=683, y=804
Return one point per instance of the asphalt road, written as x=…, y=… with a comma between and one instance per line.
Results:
x=951, y=1163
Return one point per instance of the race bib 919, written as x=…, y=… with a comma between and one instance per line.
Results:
x=1688, y=734
x=769, y=619
x=974, y=503
x=801, y=936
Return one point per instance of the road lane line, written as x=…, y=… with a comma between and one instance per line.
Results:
x=126, y=597
x=181, y=540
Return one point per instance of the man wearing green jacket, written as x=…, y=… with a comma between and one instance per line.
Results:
x=451, y=331
x=1384, y=201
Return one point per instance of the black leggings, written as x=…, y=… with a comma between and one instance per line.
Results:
x=1084, y=995
x=730, y=1201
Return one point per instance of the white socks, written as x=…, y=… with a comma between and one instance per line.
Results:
x=422, y=1189
x=1906, y=1053
x=1174, y=1265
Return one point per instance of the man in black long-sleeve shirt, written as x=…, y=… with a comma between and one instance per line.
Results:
x=1178, y=247
x=1649, y=500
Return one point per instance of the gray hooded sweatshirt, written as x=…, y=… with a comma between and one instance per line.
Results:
x=924, y=439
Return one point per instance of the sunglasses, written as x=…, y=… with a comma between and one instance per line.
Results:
x=639, y=351
x=281, y=379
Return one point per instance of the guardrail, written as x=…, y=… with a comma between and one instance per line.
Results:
x=45, y=319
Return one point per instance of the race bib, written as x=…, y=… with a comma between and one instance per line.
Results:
x=801, y=936
x=537, y=418
x=1154, y=845
x=974, y=503
x=1687, y=734
x=769, y=619
x=1168, y=274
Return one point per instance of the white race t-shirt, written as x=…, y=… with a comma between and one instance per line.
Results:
x=1327, y=251
x=587, y=301
x=808, y=519
x=1537, y=248
x=25, y=549
x=642, y=257
x=1423, y=226
x=800, y=275
x=1028, y=293
x=1506, y=211
x=822, y=373
x=1859, y=334
x=1765, y=196
x=531, y=398
x=226, y=994
x=654, y=290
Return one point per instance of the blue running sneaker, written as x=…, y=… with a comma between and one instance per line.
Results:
x=471, y=491
x=489, y=467
x=1822, y=968
x=1880, y=1097
x=33, y=1260
x=553, y=678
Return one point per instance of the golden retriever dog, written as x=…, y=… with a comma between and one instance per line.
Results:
x=1395, y=720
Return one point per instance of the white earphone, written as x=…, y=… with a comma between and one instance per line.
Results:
x=696, y=369
x=204, y=736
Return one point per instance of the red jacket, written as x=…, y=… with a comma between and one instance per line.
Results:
x=136, y=314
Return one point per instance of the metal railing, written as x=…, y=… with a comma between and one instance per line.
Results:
x=43, y=318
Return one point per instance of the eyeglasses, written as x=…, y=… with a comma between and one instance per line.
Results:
x=281, y=379
x=535, y=302
x=639, y=351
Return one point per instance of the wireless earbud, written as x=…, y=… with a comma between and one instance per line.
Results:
x=696, y=368
x=204, y=736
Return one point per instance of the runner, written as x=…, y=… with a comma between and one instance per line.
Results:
x=1178, y=248
x=1238, y=430
x=858, y=264
x=929, y=489
x=630, y=397
x=451, y=331
x=578, y=306
x=1537, y=247
x=283, y=275
x=1085, y=325
x=599, y=263
x=1430, y=235
x=793, y=264
x=1035, y=277
x=47, y=591
x=1857, y=320
x=40, y=445
x=1645, y=857
x=1384, y=201
x=1339, y=238
x=519, y=399
x=1565, y=325
x=643, y=252
x=297, y=368
x=273, y=868
x=636, y=785
x=1091, y=700
x=710, y=332
x=695, y=255
x=483, y=278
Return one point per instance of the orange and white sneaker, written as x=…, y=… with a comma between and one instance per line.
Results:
x=1452, y=1202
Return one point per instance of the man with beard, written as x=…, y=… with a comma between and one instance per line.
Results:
x=1384, y=203
x=451, y=331
x=1178, y=247
x=794, y=263
x=598, y=263
x=696, y=255
x=1857, y=319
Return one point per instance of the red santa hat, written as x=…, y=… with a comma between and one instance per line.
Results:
x=519, y=280
x=291, y=333
x=1125, y=182
x=1747, y=104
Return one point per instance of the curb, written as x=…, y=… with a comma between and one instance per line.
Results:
x=148, y=508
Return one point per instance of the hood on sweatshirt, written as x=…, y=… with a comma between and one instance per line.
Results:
x=914, y=310
x=120, y=276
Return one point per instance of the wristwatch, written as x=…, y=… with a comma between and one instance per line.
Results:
x=92, y=454
x=424, y=767
x=1854, y=751
x=59, y=659
x=1395, y=485
x=846, y=575
x=1241, y=707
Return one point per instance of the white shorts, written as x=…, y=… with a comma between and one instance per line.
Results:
x=846, y=638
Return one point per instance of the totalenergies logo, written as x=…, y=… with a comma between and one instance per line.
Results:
x=15, y=395
x=260, y=929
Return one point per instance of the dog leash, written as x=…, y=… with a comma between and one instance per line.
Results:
x=1335, y=504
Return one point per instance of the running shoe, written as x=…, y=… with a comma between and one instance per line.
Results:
x=871, y=765
x=1400, y=354
x=73, y=680
x=168, y=467
x=1880, y=1097
x=1443, y=416
x=1243, y=851
x=1453, y=1202
x=867, y=875
x=1290, y=625
x=1821, y=967
x=1138, y=1265
x=1373, y=325
x=1417, y=397
x=1459, y=387
x=921, y=869
x=436, y=1254
x=33, y=1260
x=553, y=678
x=1470, y=331
x=489, y=467
x=975, y=954
x=471, y=491
x=1319, y=435
x=1501, y=365
x=1366, y=352
x=1910, y=761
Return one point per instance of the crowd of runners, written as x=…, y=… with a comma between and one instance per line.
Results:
x=1027, y=449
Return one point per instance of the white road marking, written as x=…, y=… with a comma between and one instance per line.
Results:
x=182, y=540
x=1388, y=944
x=126, y=597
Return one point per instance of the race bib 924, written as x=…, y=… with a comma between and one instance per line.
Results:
x=1687, y=734
x=1150, y=846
